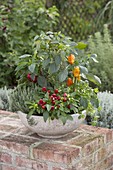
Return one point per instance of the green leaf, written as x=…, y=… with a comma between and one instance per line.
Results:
x=53, y=68
x=63, y=119
x=84, y=102
x=37, y=43
x=46, y=62
x=58, y=60
x=96, y=61
x=63, y=75
x=21, y=66
x=30, y=113
x=48, y=107
x=32, y=76
x=32, y=67
x=83, y=69
x=74, y=108
x=81, y=116
x=49, y=32
x=47, y=95
x=73, y=94
x=93, y=57
x=93, y=79
x=25, y=56
x=81, y=45
x=54, y=42
x=73, y=44
x=94, y=102
x=45, y=116
x=83, y=75
x=69, y=117
x=63, y=54
x=36, y=37
x=42, y=81
x=61, y=108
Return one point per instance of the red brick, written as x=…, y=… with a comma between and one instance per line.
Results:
x=7, y=167
x=84, y=163
x=7, y=128
x=22, y=131
x=105, y=164
x=88, y=142
x=70, y=136
x=14, y=147
x=111, y=168
x=12, y=122
x=109, y=161
x=6, y=113
x=78, y=166
x=56, y=152
x=23, y=162
x=100, y=155
x=107, y=133
x=109, y=148
x=90, y=147
x=17, y=144
x=58, y=168
x=6, y=158
x=2, y=134
x=55, y=168
x=40, y=166
x=100, y=142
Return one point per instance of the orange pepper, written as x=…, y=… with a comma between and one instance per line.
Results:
x=71, y=59
x=69, y=82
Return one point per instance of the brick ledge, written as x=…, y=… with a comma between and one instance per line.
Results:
x=86, y=148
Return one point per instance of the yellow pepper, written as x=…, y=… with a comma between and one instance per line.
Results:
x=76, y=72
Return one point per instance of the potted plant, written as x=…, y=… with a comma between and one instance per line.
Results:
x=53, y=94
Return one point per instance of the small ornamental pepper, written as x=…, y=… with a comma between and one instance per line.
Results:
x=76, y=72
x=30, y=78
x=69, y=82
x=79, y=78
x=71, y=59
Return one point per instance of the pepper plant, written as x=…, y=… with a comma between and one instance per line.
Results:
x=58, y=68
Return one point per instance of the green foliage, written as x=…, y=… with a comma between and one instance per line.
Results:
x=29, y=100
x=101, y=44
x=105, y=113
x=49, y=62
x=79, y=19
x=19, y=23
x=33, y=100
x=18, y=97
x=58, y=68
x=4, y=98
x=107, y=11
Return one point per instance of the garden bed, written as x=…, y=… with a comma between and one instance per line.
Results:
x=87, y=148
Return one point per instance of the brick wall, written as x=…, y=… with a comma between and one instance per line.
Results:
x=87, y=148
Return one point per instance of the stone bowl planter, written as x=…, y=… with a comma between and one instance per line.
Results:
x=51, y=128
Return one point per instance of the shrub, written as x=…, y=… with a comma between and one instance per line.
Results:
x=103, y=47
x=4, y=98
x=106, y=112
x=19, y=23
x=79, y=19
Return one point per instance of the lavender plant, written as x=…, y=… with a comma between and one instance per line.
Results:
x=106, y=110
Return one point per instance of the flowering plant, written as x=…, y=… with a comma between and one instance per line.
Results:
x=58, y=77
